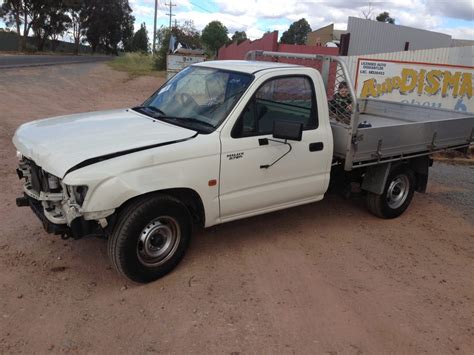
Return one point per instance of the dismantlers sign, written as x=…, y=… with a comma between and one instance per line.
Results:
x=435, y=85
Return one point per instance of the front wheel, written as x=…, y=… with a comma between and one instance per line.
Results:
x=397, y=194
x=150, y=238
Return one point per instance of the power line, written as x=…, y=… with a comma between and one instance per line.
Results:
x=212, y=12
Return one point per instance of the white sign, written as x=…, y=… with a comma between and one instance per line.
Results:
x=175, y=62
x=435, y=85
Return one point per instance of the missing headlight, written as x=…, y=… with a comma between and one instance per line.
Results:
x=79, y=193
x=53, y=182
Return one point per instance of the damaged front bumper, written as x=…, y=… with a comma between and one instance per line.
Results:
x=56, y=205
x=78, y=227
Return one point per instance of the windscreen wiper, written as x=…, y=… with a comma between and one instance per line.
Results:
x=187, y=119
x=150, y=109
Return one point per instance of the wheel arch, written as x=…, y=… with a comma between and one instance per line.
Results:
x=189, y=197
x=375, y=177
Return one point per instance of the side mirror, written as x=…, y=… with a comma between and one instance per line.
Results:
x=292, y=131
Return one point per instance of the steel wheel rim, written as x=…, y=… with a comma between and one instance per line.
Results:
x=398, y=191
x=158, y=241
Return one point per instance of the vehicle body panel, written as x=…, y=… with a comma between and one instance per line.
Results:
x=57, y=144
x=300, y=177
x=190, y=164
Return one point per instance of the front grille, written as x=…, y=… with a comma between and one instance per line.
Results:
x=39, y=177
x=36, y=177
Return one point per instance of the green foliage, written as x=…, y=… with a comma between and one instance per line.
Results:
x=185, y=34
x=163, y=39
x=188, y=35
x=135, y=64
x=214, y=36
x=239, y=36
x=77, y=13
x=297, y=33
x=385, y=17
x=108, y=23
x=51, y=21
x=140, y=40
x=21, y=14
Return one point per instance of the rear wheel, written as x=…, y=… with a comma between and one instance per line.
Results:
x=150, y=238
x=397, y=194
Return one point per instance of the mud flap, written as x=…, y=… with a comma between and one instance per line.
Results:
x=375, y=178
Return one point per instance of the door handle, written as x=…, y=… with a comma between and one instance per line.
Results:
x=316, y=147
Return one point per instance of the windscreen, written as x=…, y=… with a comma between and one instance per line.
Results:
x=199, y=95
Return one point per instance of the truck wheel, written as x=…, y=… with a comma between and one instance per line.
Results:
x=397, y=194
x=150, y=238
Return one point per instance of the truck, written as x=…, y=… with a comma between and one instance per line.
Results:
x=222, y=141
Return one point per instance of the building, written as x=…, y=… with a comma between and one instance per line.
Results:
x=371, y=37
x=324, y=35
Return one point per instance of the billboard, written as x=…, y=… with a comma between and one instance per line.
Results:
x=436, y=85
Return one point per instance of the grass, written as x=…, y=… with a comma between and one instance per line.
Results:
x=136, y=64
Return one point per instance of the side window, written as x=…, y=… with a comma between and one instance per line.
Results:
x=280, y=99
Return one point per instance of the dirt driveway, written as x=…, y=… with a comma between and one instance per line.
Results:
x=322, y=278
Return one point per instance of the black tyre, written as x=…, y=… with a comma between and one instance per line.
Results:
x=150, y=238
x=397, y=194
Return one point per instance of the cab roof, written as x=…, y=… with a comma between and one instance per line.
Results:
x=244, y=66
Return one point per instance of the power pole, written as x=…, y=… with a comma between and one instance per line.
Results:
x=154, y=27
x=171, y=5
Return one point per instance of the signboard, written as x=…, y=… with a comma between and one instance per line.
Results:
x=176, y=62
x=436, y=85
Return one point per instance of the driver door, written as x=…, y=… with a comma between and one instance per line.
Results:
x=246, y=188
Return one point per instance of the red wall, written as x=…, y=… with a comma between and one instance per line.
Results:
x=296, y=48
x=269, y=42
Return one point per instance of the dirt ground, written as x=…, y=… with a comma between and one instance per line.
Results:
x=326, y=278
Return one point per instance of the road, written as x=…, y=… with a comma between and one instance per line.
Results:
x=325, y=278
x=16, y=61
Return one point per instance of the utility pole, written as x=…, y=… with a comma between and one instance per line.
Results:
x=171, y=5
x=154, y=27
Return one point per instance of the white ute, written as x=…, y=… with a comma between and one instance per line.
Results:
x=221, y=141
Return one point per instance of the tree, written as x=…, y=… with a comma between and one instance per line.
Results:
x=297, y=33
x=185, y=34
x=51, y=21
x=21, y=14
x=367, y=13
x=140, y=40
x=108, y=23
x=239, y=36
x=385, y=17
x=214, y=36
x=188, y=35
x=127, y=25
x=77, y=14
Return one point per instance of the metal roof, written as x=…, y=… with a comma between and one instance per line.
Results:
x=370, y=37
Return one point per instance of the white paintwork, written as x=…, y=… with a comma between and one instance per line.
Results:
x=246, y=189
x=58, y=144
x=189, y=164
x=244, y=66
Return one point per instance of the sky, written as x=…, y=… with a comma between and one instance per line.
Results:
x=255, y=17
